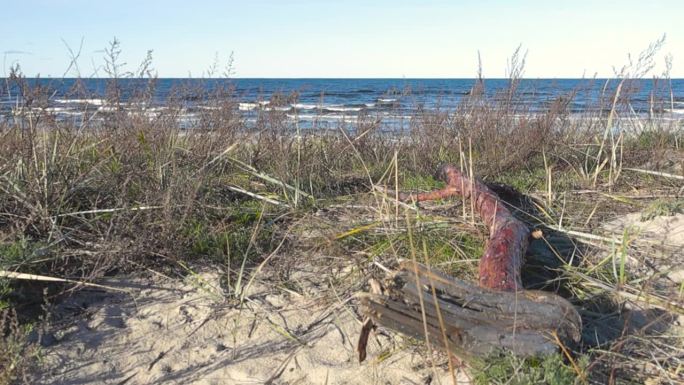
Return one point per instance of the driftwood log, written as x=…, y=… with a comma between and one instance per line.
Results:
x=463, y=318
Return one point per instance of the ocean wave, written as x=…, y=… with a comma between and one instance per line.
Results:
x=338, y=94
x=250, y=106
x=278, y=108
x=347, y=118
x=156, y=109
x=387, y=100
x=676, y=111
x=36, y=111
x=247, y=106
x=323, y=117
x=339, y=108
x=304, y=106
x=56, y=109
x=94, y=102
x=68, y=113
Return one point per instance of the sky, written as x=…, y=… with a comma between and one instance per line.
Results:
x=347, y=39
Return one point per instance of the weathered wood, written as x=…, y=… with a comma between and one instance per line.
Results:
x=539, y=304
x=362, y=345
x=508, y=237
x=477, y=320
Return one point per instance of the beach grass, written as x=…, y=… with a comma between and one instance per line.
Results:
x=124, y=194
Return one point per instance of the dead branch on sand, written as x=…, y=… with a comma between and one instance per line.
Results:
x=476, y=320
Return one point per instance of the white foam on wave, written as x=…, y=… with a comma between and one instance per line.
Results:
x=148, y=114
x=278, y=108
x=338, y=108
x=247, y=106
x=56, y=109
x=676, y=111
x=323, y=117
x=94, y=102
x=264, y=105
x=69, y=113
x=304, y=106
x=37, y=111
x=156, y=109
x=386, y=100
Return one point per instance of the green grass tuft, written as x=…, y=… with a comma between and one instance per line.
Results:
x=512, y=370
x=662, y=207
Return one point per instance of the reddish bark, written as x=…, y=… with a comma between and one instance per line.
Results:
x=502, y=261
x=468, y=319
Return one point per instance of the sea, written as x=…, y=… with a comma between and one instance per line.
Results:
x=325, y=103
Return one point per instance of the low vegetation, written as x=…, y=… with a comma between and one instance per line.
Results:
x=124, y=193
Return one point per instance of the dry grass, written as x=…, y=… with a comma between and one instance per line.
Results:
x=125, y=192
x=17, y=355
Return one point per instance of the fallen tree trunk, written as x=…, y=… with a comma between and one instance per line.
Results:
x=498, y=314
x=508, y=237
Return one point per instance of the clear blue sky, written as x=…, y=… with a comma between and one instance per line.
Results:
x=309, y=38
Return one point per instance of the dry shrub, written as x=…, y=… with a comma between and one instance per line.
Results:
x=16, y=354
